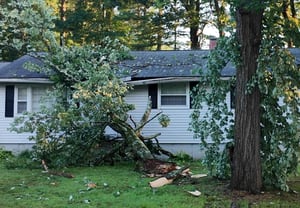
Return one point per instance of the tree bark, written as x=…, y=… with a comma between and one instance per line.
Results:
x=246, y=164
x=219, y=10
x=62, y=14
x=192, y=8
x=139, y=149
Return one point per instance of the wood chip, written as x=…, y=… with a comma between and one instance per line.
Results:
x=198, y=175
x=195, y=193
x=160, y=182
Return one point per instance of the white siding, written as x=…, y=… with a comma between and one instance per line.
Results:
x=176, y=137
x=176, y=132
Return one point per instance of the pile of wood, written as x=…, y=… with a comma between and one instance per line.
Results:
x=167, y=173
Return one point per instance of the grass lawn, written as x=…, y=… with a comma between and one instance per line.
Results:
x=120, y=186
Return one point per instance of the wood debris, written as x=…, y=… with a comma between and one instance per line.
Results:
x=195, y=193
x=198, y=175
x=58, y=173
x=167, y=173
x=160, y=182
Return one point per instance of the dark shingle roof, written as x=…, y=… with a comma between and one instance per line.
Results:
x=2, y=64
x=162, y=64
x=144, y=65
x=16, y=69
x=159, y=64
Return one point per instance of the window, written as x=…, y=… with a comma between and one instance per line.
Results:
x=173, y=94
x=22, y=96
x=37, y=94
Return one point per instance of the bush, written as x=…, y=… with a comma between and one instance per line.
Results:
x=23, y=160
x=4, y=154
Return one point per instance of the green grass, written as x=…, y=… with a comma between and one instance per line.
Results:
x=121, y=186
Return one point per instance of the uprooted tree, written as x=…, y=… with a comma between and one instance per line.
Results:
x=89, y=98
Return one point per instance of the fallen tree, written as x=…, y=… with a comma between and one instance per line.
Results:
x=89, y=98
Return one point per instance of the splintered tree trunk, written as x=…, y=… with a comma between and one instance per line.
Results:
x=139, y=149
x=247, y=173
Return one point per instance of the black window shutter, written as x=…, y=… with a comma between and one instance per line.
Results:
x=9, y=100
x=232, y=97
x=192, y=85
x=152, y=92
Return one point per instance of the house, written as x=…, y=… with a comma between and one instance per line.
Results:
x=20, y=91
x=165, y=76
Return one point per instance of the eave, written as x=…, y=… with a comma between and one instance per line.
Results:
x=26, y=80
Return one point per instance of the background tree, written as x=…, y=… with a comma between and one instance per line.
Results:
x=290, y=22
x=151, y=23
x=22, y=24
x=221, y=17
x=141, y=25
x=197, y=17
x=175, y=23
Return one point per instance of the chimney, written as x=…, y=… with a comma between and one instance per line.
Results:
x=212, y=43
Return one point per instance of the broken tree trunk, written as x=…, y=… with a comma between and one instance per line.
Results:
x=138, y=148
x=138, y=127
x=134, y=138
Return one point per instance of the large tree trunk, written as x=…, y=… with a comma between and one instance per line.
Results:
x=247, y=174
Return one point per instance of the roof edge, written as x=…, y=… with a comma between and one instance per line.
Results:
x=27, y=81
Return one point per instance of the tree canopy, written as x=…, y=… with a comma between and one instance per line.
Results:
x=22, y=25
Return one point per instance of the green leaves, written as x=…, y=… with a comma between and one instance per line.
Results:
x=88, y=93
x=25, y=26
x=212, y=119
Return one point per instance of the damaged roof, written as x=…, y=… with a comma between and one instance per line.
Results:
x=144, y=65
x=163, y=64
x=159, y=64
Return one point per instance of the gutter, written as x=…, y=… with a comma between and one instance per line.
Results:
x=27, y=80
x=166, y=80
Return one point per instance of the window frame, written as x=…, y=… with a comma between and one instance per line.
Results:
x=28, y=99
x=187, y=97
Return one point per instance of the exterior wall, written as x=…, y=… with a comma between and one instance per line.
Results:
x=10, y=140
x=176, y=137
x=176, y=132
